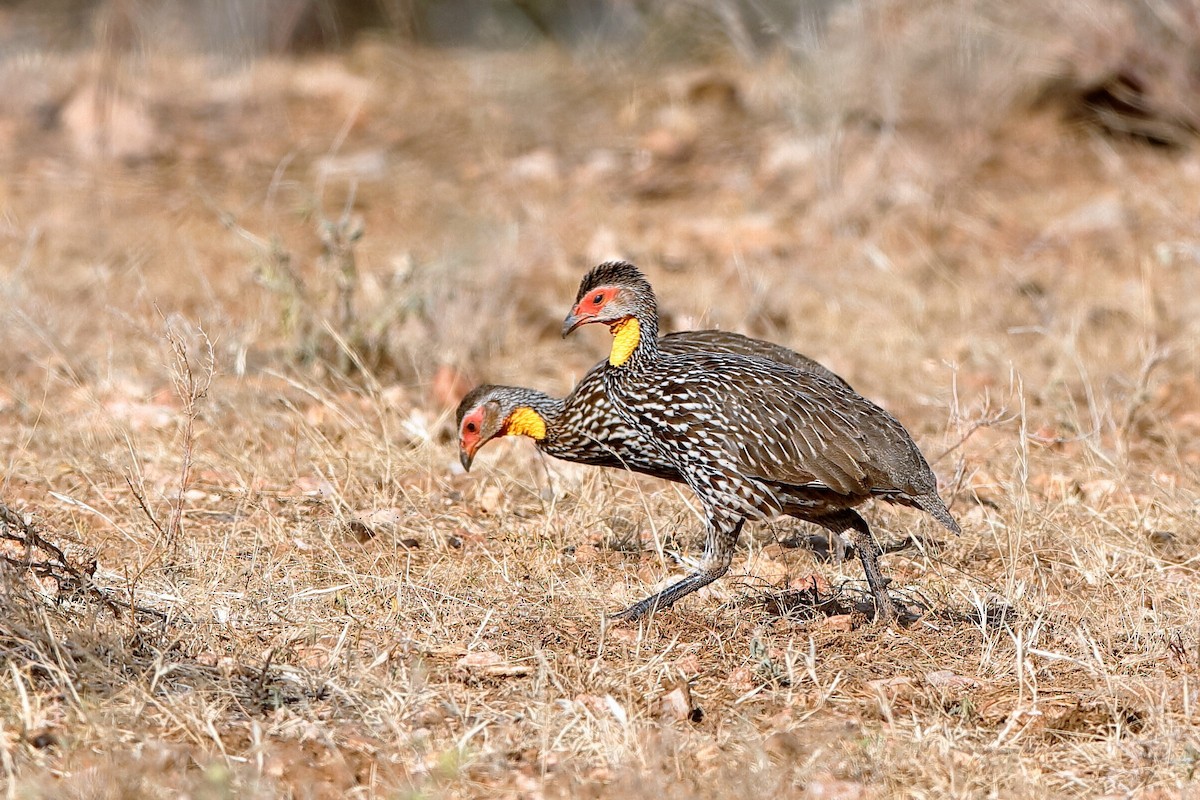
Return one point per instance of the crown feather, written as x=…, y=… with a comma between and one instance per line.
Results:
x=612, y=273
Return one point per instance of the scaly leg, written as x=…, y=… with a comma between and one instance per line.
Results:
x=718, y=553
x=868, y=553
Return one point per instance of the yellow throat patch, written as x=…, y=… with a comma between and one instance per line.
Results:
x=524, y=421
x=626, y=335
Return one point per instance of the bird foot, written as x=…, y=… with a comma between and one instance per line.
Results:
x=639, y=610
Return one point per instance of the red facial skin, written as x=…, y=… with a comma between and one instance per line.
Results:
x=468, y=435
x=587, y=309
x=592, y=304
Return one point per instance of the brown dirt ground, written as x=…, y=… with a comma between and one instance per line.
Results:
x=323, y=605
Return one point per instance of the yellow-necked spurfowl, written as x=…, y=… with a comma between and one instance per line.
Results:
x=583, y=427
x=753, y=438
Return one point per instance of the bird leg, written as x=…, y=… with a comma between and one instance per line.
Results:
x=868, y=553
x=718, y=554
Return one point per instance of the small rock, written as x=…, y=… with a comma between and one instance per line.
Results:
x=667, y=145
x=827, y=787
x=677, y=705
x=1102, y=215
x=368, y=165
x=449, y=386
x=818, y=584
x=840, y=623
x=586, y=554
x=741, y=680
x=948, y=680
x=366, y=524
x=103, y=123
x=538, y=166
x=491, y=499
x=488, y=662
x=786, y=157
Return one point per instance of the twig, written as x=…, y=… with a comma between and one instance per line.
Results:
x=141, y=498
x=13, y=526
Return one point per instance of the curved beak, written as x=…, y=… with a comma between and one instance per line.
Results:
x=466, y=457
x=574, y=320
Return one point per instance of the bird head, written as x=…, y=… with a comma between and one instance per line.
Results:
x=616, y=294
x=491, y=411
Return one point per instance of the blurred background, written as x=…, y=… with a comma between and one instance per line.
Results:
x=905, y=190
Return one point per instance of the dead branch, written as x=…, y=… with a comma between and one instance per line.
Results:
x=15, y=527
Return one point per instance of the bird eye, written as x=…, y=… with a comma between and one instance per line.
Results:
x=471, y=427
x=598, y=298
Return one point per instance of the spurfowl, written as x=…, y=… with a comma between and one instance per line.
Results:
x=752, y=438
x=583, y=427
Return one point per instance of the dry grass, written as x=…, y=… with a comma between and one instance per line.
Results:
x=311, y=600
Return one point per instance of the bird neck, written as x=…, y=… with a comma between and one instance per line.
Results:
x=525, y=421
x=635, y=340
x=534, y=416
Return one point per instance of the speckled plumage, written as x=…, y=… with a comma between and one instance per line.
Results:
x=584, y=427
x=755, y=438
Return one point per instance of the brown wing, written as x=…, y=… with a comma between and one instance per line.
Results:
x=780, y=424
x=714, y=341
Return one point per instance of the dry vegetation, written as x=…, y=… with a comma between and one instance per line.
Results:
x=240, y=299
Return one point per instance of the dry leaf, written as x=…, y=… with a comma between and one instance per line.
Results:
x=586, y=554
x=813, y=583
